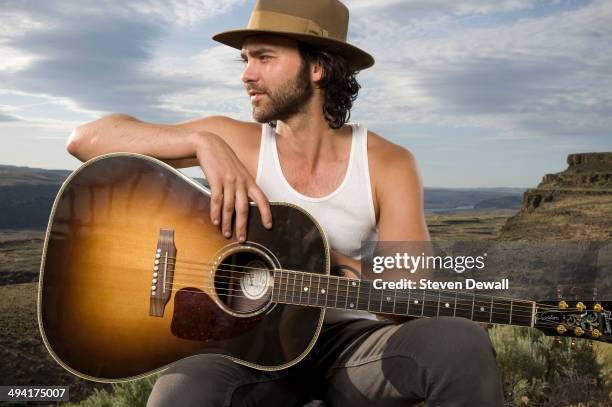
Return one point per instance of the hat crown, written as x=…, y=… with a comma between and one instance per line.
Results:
x=328, y=18
x=321, y=23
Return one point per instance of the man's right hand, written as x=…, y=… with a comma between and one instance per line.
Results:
x=231, y=186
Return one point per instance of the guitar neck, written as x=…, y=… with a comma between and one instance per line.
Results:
x=309, y=289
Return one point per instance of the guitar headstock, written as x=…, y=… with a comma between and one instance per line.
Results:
x=579, y=319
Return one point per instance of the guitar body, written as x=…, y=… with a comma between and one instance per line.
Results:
x=134, y=276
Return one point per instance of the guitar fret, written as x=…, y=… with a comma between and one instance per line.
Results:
x=423, y=305
x=317, y=290
x=510, y=321
x=274, y=290
x=398, y=302
x=327, y=292
x=286, y=286
x=288, y=298
x=481, y=311
x=408, y=307
x=473, y=305
x=369, y=305
x=502, y=311
x=337, y=289
x=444, y=304
x=312, y=291
x=363, y=301
x=355, y=287
x=463, y=305
x=341, y=296
x=280, y=287
x=307, y=289
x=369, y=297
x=301, y=288
x=293, y=288
x=386, y=301
x=347, y=294
x=320, y=293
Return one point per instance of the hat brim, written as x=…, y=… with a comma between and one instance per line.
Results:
x=358, y=59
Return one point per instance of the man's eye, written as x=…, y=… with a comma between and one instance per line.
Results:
x=264, y=58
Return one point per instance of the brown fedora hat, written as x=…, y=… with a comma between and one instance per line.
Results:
x=323, y=23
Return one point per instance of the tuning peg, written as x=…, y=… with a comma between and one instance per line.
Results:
x=597, y=308
x=580, y=306
x=561, y=329
x=573, y=344
x=578, y=331
x=595, y=333
x=590, y=344
x=556, y=341
x=563, y=304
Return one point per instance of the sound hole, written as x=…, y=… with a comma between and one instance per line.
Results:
x=243, y=282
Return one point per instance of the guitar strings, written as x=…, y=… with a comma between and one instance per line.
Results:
x=551, y=307
x=384, y=311
x=528, y=307
x=426, y=298
x=424, y=304
x=541, y=305
x=383, y=293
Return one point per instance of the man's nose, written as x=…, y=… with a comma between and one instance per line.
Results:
x=249, y=74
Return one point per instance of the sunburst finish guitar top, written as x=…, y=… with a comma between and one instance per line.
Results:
x=135, y=276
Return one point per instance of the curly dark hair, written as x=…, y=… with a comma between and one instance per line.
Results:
x=339, y=83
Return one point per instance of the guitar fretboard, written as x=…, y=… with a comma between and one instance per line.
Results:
x=309, y=289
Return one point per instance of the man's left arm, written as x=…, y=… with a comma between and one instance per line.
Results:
x=399, y=193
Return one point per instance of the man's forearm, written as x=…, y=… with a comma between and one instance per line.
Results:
x=119, y=132
x=347, y=267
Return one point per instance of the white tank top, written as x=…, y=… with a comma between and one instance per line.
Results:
x=346, y=214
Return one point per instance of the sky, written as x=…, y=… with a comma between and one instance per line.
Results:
x=483, y=93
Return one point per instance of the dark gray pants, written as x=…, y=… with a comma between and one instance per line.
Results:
x=444, y=361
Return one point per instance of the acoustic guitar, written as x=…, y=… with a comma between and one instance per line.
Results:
x=134, y=277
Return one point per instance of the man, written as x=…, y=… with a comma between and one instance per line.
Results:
x=300, y=75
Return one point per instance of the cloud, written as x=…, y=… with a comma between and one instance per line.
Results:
x=4, y=117
x=546, y=75
x=100, y=55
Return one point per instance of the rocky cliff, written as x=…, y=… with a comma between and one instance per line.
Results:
x=572, y=204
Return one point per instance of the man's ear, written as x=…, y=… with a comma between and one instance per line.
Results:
x=316, y=71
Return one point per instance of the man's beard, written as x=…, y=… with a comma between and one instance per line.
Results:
x=287, y=100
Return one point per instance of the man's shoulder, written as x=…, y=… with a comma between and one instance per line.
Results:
x=389, y=165
x=384, y=153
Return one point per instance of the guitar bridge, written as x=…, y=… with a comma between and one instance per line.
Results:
x=163, y=272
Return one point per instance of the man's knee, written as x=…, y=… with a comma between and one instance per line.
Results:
x=446, y=339
x=450, y=359
x=196, y=380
